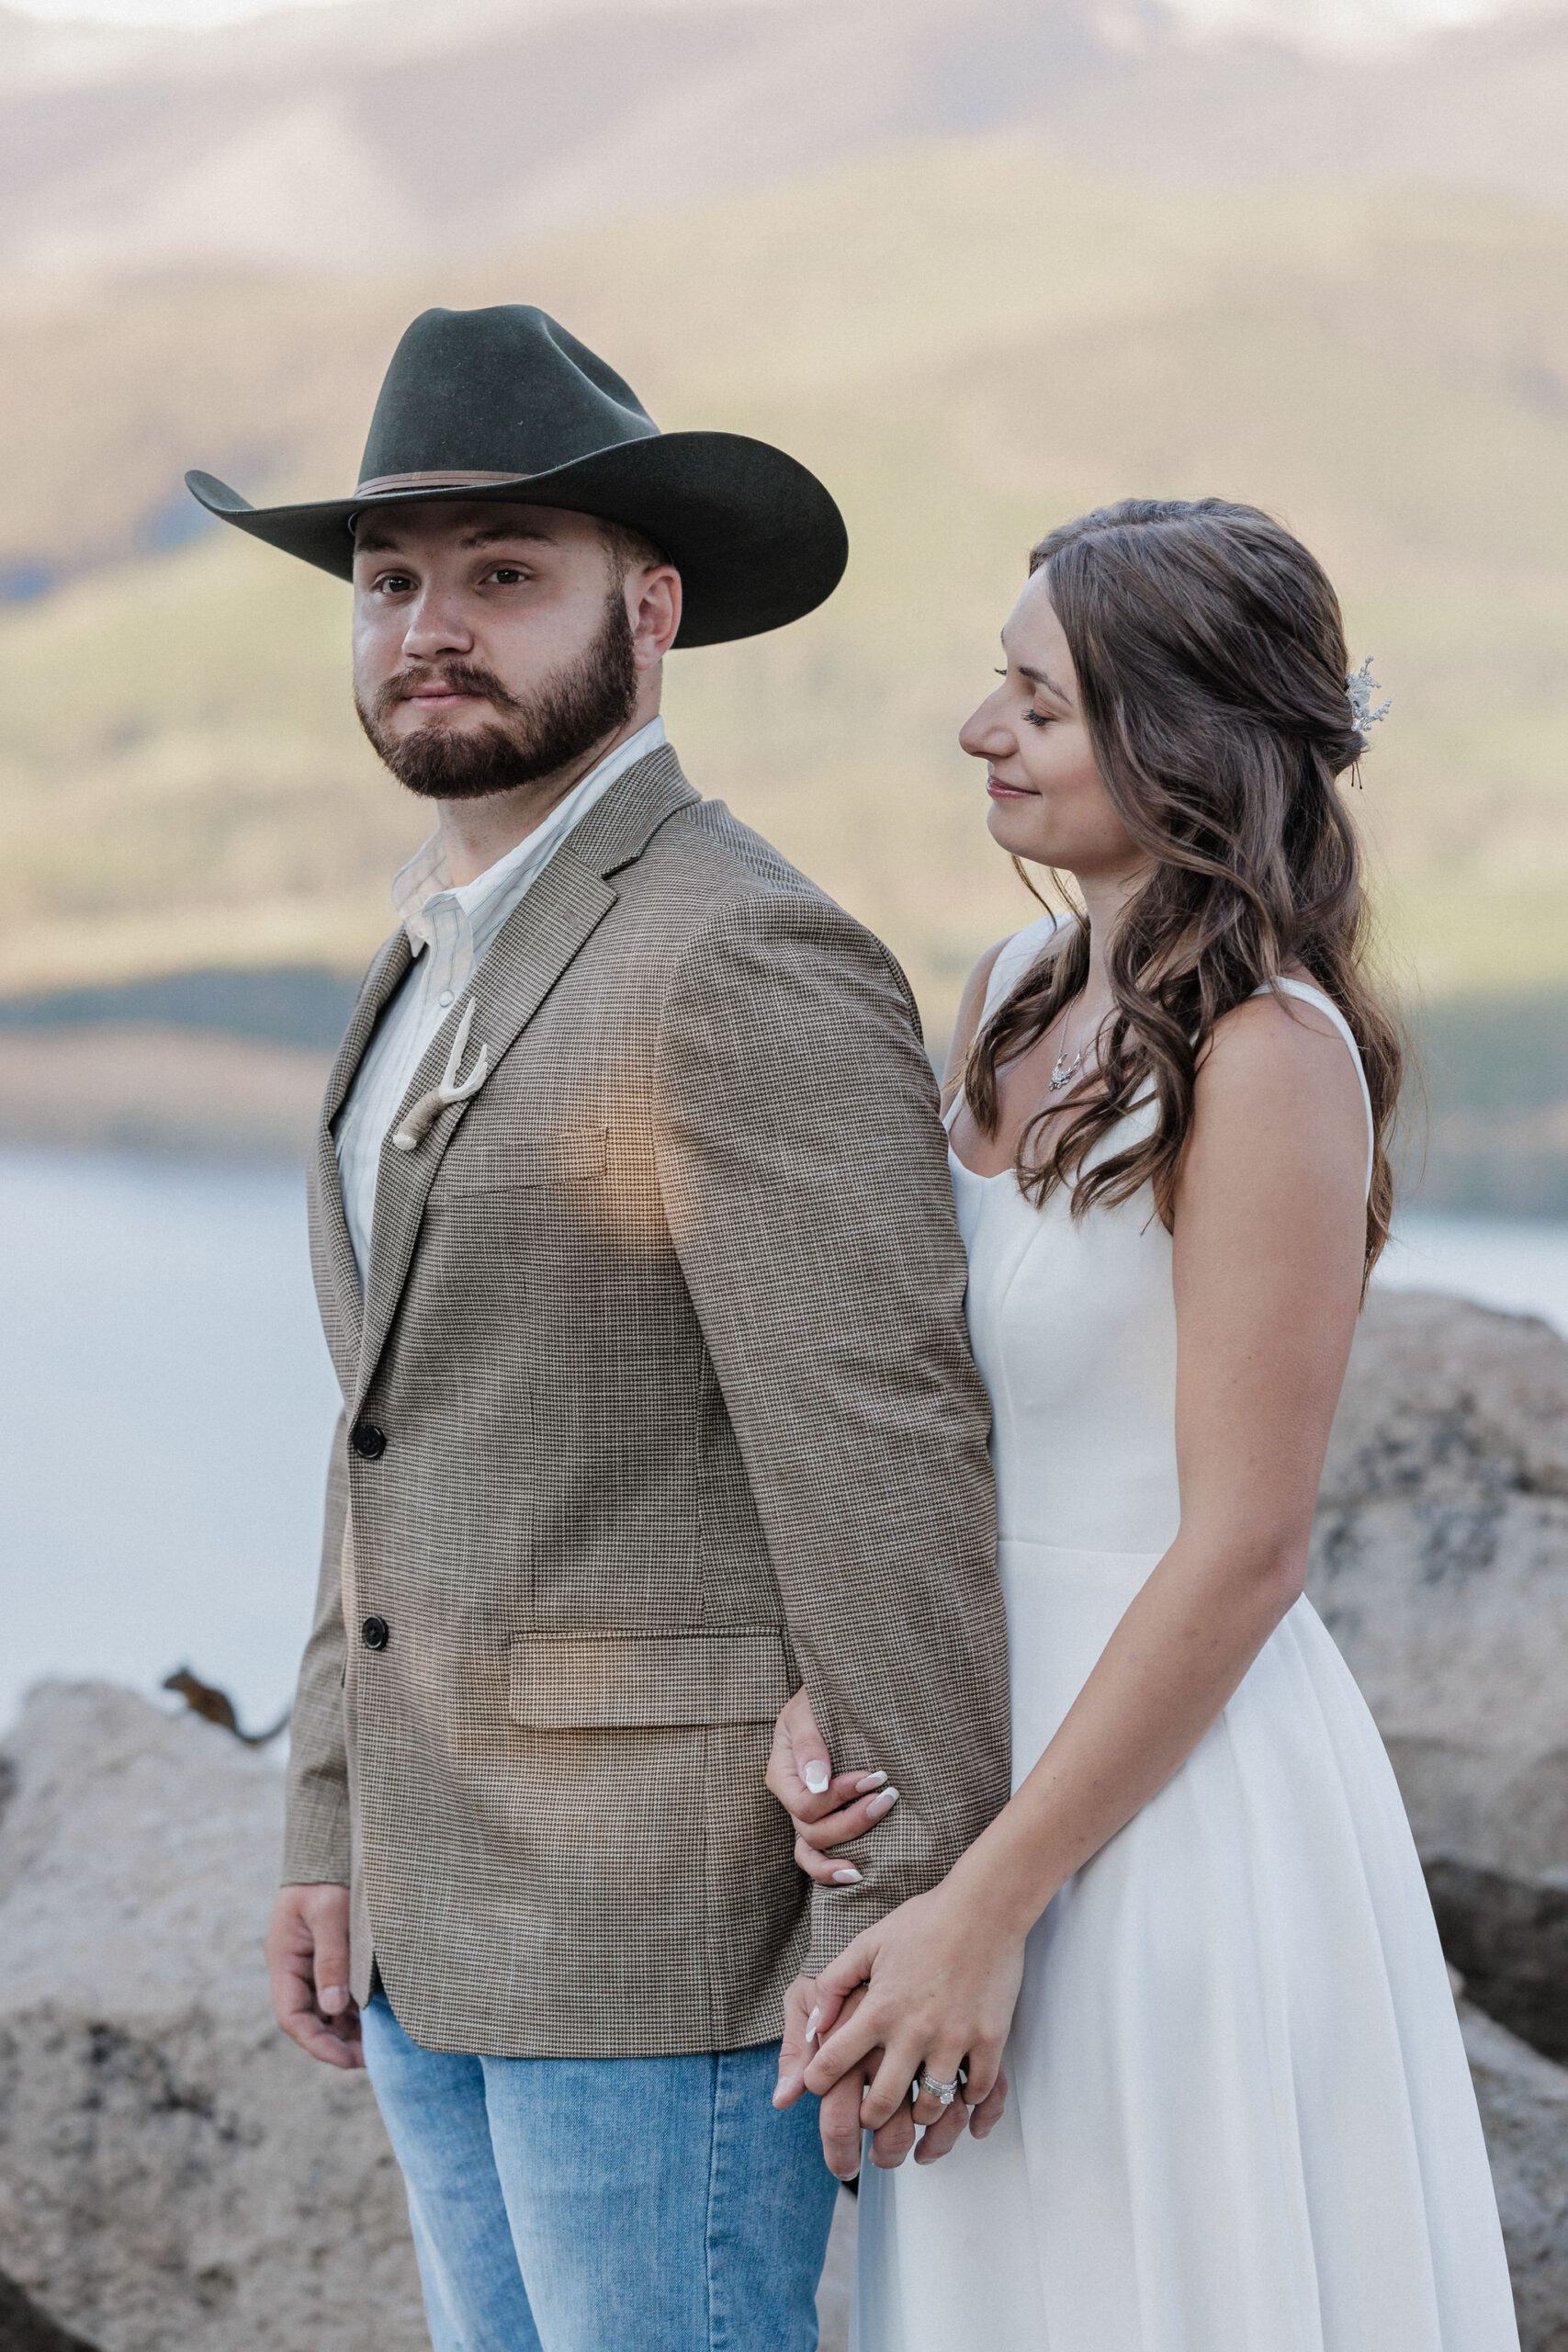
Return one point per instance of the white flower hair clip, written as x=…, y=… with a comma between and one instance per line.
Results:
x=1361, y=685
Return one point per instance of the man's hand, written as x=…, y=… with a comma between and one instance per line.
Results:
x=307, y=1962
x=838, y=2110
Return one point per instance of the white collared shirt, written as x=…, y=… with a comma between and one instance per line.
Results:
x=449, y=929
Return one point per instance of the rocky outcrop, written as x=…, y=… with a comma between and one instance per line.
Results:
x=1524, y=2107
x=1440, y=1565
x=172, y=2171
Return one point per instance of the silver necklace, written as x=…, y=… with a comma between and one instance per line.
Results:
x=1063, y=1071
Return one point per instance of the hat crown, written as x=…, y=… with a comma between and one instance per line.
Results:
x=500, y=390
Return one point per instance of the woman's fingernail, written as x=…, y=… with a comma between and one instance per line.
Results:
x=816, y=1776
x=869, y=1780
x=884, y=1803
x=846, y=1877
x=333, y=1997
x=812, y=2022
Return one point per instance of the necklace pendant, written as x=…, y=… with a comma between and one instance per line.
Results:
x=1066, y=1071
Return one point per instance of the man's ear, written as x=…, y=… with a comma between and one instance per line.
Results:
x=653, y=608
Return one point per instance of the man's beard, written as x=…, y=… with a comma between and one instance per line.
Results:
x=562, y=719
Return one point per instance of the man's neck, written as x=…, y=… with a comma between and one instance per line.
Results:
x=475, y=833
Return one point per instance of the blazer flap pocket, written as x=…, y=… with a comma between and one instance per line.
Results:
x=587, y=1681
x=573, y=1154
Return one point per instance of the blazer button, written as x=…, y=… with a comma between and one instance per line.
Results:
x=375, y=1633
x=369, y=1442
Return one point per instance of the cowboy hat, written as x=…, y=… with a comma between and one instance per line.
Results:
x=503, y=404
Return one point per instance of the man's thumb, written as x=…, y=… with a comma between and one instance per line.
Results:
x=331, y=1969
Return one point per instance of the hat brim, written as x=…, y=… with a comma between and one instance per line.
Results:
x=756, y=540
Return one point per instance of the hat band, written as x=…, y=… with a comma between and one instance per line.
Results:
x=445, y=479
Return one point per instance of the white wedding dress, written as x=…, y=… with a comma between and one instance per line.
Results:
x=1240, y=2116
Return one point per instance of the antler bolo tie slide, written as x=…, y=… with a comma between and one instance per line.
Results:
x=452, y=1089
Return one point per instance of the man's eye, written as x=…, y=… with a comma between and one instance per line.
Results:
x=507, y=574
x=394, y=584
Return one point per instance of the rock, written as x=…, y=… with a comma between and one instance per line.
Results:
x=173, y=2172
x=1441, y=1567
x=1509, y=1937
x=1524, y=2107
x=25, y=2328
x=835, y=2293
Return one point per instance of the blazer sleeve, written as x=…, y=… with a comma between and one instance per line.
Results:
x=316, y=1833
x=804, y=1170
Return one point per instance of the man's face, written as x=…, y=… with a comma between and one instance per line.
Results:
x=494, y=645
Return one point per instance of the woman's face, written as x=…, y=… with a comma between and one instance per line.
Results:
x=1047, y=801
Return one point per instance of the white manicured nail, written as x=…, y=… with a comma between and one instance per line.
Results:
x=846, y=1877
x=816, y=1776
x=869, y=1780
x=812, y=2022
x=884, y=1803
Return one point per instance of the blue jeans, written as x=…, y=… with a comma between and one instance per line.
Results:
x=606, y=2204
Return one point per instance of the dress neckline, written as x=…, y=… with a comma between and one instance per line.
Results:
x=1305, y=992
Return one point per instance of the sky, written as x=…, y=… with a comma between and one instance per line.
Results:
x=1351, y=18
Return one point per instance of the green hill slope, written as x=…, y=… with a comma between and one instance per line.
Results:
x=969, y=346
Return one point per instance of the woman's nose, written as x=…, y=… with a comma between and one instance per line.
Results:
x=986, y=735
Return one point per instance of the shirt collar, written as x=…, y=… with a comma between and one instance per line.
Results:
x=489, y=899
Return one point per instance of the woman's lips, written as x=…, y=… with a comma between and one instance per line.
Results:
x=1000, y=791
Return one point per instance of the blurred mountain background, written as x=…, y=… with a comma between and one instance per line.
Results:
x=980, y=263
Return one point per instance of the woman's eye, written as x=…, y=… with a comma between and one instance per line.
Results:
x=1038, y=718
x=1001, y=673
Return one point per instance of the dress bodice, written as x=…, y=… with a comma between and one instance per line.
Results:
x=1073, y=1325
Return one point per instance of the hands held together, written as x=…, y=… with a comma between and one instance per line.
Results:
x=925, y=1993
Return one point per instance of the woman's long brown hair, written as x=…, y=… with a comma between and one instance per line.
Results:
x=1211, y=672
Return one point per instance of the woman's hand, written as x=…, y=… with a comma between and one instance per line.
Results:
x=942, y=1976
x=828, y=1811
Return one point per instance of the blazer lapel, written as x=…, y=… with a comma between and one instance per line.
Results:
x=338, y=1274
x=536, y=944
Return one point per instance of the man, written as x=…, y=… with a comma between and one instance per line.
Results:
x=634, y=1249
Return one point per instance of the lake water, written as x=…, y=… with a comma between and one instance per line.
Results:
x=166, y=1405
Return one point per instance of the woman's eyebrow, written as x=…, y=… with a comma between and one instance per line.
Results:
x=1042, y=678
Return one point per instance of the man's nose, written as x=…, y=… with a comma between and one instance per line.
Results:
x=437, y=624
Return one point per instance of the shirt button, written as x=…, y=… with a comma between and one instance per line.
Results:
x=375, y=1633
x=444, y=997
x=369, y=1442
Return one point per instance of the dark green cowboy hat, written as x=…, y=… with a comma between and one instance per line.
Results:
x=504, y=404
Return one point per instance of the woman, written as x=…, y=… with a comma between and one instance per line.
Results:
x=1241, y=2118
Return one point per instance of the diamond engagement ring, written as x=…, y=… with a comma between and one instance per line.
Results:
x=943, y=2092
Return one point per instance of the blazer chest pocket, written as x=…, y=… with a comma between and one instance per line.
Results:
x=577, y=1155
x=607, y=1682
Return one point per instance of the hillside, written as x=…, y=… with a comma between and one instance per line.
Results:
x=969, y=344
x=370, y=136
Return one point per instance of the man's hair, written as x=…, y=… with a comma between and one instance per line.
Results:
x=628, y=548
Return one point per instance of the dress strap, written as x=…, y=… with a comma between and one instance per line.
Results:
x=1017, y=955
x=1014, y=958
x=1308, y=994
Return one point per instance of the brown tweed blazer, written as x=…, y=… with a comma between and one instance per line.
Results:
x=658, y=1402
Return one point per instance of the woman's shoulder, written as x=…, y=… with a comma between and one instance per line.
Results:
x=1006, y=963
x=1285, y=1058
x=994, y=977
